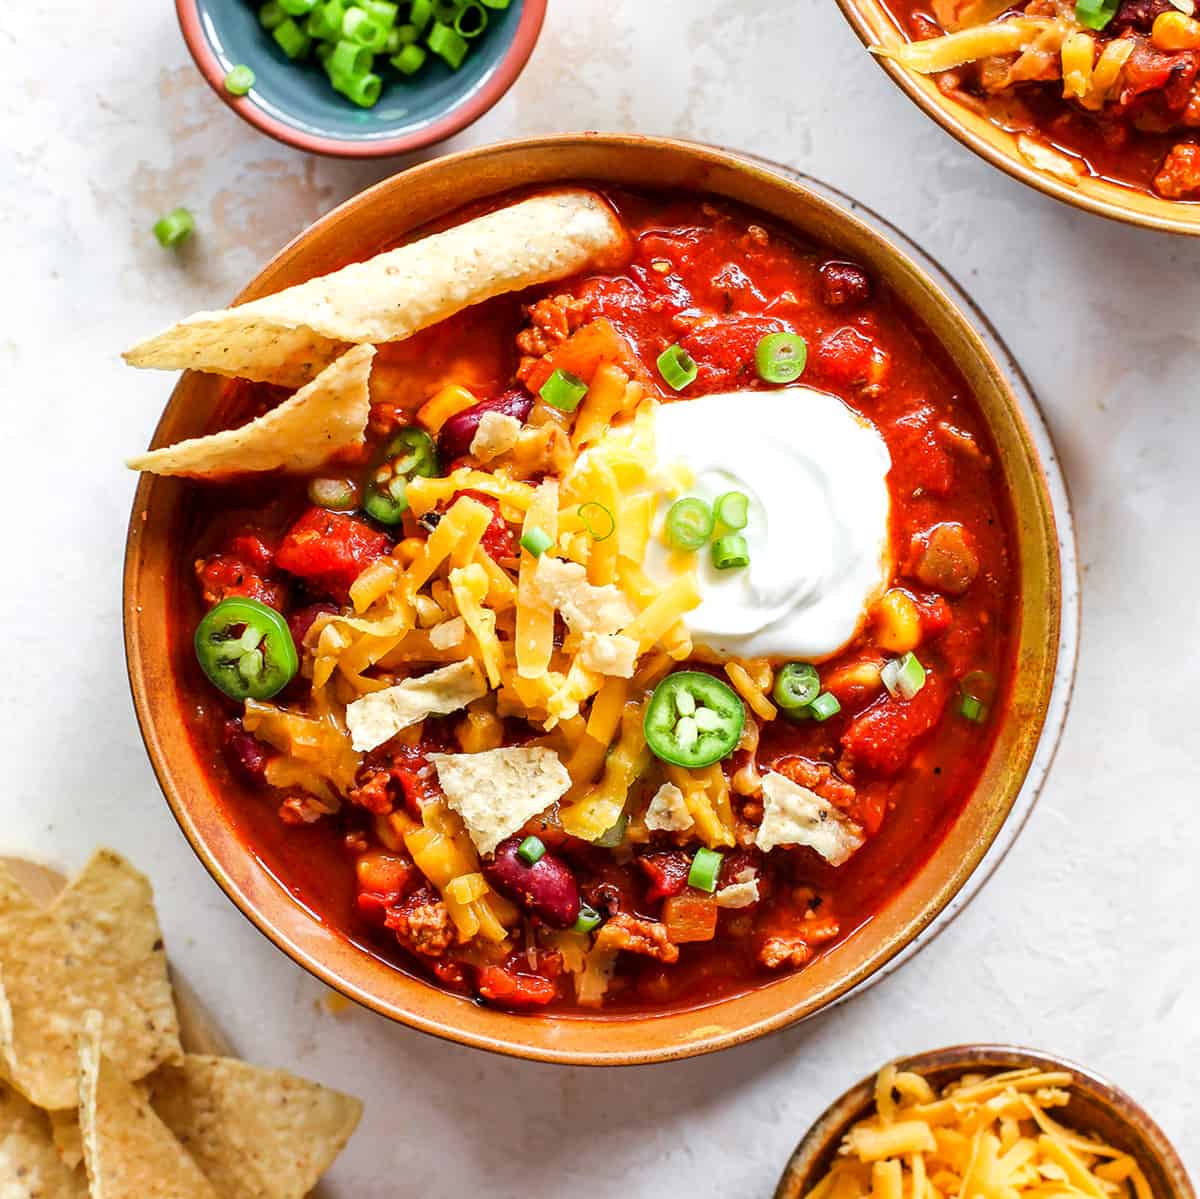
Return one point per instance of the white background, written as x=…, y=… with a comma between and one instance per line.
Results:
x=1084, y=943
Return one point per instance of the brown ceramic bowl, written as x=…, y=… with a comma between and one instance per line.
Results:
x=1096, y=1106
x=379, y=216
x=873, y=23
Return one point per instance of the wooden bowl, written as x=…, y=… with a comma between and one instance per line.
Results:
x=377, y=217
x=873, y=23
x=1096, y=1106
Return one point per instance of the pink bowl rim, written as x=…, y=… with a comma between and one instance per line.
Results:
x=454, y=121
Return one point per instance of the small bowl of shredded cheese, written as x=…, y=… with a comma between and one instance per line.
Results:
x=984, y=1120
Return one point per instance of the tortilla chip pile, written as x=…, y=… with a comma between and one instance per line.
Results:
x=98, y=1096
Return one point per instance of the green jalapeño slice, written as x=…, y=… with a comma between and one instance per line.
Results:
x=409, y=454
x=693, y=719
x=246, y=649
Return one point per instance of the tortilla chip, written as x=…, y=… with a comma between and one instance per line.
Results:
x=129, y=1152
x=256, y=1134
x=325, y=416
x=288, y=337
x=68, y=1136
x=30, y=1167
x=99, y=946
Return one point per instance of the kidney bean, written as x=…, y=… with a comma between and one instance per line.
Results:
x=458, y=432
x=547, y=889
x=844, y=284
x=301, y=620
x=245, y=754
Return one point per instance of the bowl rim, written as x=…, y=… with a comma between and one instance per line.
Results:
x=511, y=1036
x=945, y=111
x=453, y=120
x=852, y=1103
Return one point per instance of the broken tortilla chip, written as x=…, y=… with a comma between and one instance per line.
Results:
x=98, y=947
x=325, y=416
x=30, y=1167
x=68, y=1137
x=289, y=337
x=256, y=1134
x=129, y=1152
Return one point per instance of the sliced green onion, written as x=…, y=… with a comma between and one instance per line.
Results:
x=382, y=12
x=677, y=367
x=531, y=850
x=420, y=13
x=325, y=22
x=796, y=686
x=297, y=8
x=401, y=36
x=174, y=228
x=239, y=80
x=447, y=45
x=349, y=59
x=706, y=866
x=780, y=357
x=357, y=26
x=975, y=694
x=824, y=706
x=271, y=16
x=973, y=708
x=446, y=10
x=598, y=520
x=611, y=838
x=338, y=495
x=364, y=90
x=471, y=21
x=903, y=677
x=291, y=39
x=730, y=552
x=562, y=390
x=689, y=524
x=732, y=510
x=497, y=4
x=536, y=541
x=587, y=919
x=409, y=61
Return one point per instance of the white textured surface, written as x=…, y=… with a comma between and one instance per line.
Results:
x=1085, y=942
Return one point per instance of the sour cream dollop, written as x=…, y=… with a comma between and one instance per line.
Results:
x=816, y=477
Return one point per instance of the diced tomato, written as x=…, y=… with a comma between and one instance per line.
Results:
x=724, y=350
x=329, y=550
x=253, y=549
x=223, y=575
x=667, y=873
x=450, y=974
x=934, y=613
x=498, y=541
x=500, y=984
x=883, y=737
x=845, y=356
x=915, y=443
x=383, y=872
x=691, y=916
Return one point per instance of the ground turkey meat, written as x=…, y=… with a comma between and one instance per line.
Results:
x=422, y=924
x=647, y=937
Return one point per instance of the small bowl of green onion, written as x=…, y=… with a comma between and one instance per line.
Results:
x=360, y=78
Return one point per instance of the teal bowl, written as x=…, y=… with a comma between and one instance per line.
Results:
x=294, y=103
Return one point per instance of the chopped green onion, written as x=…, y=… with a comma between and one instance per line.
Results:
x=497, y=4
x=587, y=919
x=611, y=838
x=796, y=686
x=446, y=10
x=976, y=691
x=903, y=677
x=271, y=16
x=598, y=520
x=562, y=390
x=349, y=59
x=730, y=552
x=780, y=357
x=824, y=706
x=401, y=36
x=364, y=90
x=732, y=510
x=291, y=39
x=677, y=367
x=1095, y=14
x=706, y=866
x=382, y=12
x=325, y=22
x=358, y=27
x=239, y=80
x=447, y=45
x=409, y=61
x=689, y=524
x=536, y=541
x=973, y=708
x=420, y=13
x=338, y=495
x=297, y=8
x=472, y=21
x=531, y=850
x=174, y=228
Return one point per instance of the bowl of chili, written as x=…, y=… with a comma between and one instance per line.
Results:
x=1088, y=103
x=944, y=732
x=1083, y=1104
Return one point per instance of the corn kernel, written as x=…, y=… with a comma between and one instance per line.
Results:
x=1174, y=31
x=897, y=623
